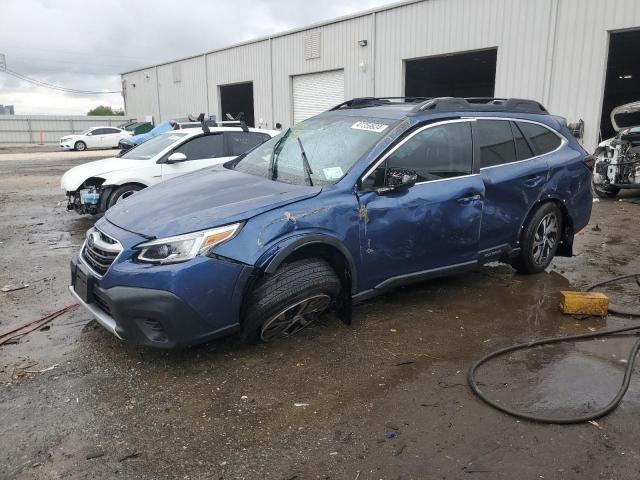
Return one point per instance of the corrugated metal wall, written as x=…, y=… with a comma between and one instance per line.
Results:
x=182, y=88
x=250, y=64
x=553, y=51
x=35, y=129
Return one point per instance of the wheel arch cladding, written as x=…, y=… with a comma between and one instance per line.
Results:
x=565, y=248
x=328, y=249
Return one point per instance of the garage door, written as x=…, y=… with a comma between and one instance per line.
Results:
x=316, y=92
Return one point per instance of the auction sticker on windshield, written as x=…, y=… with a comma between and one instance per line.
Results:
x=332, y=173
x=370, y=126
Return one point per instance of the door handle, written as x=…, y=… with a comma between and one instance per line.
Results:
x=472, y=197
x=533, y=181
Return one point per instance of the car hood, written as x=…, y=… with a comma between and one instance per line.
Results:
x=203, y=199
x=75, y=177
x=616, y=114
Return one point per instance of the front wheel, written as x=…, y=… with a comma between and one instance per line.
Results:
x=80, y=146
x=289, y=300
x=540, y=239
x=121, y=193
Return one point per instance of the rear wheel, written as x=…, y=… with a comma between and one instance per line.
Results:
x=80, y=146
x=540, y=239
x=121, y=193
x=605, y=191
x=289, y=300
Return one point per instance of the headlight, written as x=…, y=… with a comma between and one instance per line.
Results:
x=185, y=247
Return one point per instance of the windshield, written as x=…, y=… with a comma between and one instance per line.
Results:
x=332, y=146
x=153, y=147
x=85, y=132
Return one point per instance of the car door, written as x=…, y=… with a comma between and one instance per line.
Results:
x=110, y=137
x=513, y=178
x=93, y=138
x=200, y=152
x=432, y=227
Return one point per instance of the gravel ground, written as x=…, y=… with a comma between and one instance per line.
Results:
x=385, y=398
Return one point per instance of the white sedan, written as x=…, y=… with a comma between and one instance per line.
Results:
x=96, y=137
x=96, y=186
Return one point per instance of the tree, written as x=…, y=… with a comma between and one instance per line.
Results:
x=105, y=110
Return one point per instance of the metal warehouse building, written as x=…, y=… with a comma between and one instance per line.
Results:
x=577, y=57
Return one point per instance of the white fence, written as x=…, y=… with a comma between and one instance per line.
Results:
x=47, y=129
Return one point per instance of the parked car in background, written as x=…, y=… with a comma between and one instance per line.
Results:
x=137, y=128
x=135, y=140
x=96, y=137
x=369, y=196
x=96, y=186
x=617, y=160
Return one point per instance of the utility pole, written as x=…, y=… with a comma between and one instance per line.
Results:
x=3, y=63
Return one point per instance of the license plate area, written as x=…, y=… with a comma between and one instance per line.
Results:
x=83, y=284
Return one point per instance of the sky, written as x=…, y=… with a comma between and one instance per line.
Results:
x=86, y=44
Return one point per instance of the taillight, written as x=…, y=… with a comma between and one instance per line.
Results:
x=590, y=162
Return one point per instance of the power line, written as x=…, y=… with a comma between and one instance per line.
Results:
x=86, y=54
x=52, y=86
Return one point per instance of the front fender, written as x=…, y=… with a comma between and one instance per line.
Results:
x=274, y=256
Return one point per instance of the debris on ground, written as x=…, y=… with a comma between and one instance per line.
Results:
x=17, y=333
x=95, y=454
x=14, y=287
x=584, y=303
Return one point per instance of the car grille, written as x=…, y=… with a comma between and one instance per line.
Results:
x=100, y=251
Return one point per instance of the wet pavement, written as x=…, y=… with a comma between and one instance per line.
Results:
x=384, y=398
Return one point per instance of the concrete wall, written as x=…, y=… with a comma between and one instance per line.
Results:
x=553, y=51
x=43, y=129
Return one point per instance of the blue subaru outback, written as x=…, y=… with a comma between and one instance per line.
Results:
x=373, y=194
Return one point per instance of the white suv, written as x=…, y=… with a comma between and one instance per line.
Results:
x=96, y=186
x=96, y=137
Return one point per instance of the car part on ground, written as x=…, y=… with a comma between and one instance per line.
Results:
x=617, y=160
x=369, y=196
x=601, y=412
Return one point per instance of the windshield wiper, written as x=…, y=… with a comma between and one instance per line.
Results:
x=305, y=163
x=273, y=161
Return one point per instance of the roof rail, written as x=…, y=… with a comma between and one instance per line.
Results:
x=363, y=102
x=480, y=104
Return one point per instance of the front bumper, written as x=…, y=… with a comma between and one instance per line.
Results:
x=67, y=145
x=158, y=317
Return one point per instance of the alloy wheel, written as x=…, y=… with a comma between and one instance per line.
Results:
x=545, y=239
x=294, y=318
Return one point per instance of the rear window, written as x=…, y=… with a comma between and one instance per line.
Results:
x=523, y=150
x=542, y=139
x=495, y=142
x=242, y=142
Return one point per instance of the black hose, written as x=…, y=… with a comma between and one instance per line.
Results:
x=612, y=405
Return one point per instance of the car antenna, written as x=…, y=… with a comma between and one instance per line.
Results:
x=205, y=127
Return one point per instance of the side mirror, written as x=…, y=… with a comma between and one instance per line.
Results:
x=176, y=157
x=398, y=179
x=89, y=134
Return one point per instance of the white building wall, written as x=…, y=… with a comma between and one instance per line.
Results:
x=553, y=51
x=245, y=63
x=141, y=94
x=182, y=88
x=339, y=49
x=580, y=58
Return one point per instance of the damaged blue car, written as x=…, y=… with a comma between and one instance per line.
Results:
x=371, y=195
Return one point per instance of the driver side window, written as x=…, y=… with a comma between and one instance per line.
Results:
x=443, y=151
